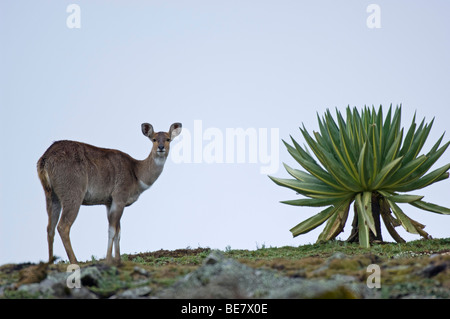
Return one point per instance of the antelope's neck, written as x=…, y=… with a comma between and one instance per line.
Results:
x=149, y=170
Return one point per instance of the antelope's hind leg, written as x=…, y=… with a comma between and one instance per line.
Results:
x=53, y=211
x=70, y=210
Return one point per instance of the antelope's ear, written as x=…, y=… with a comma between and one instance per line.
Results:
x=147, y=129
x=175, y=130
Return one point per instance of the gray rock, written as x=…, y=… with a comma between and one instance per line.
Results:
x=221, y=277
x=344, y=278
x=336, y=255
x=30, y=288
x=90, y=276
x=55, y=286
x=434, y=269
x=140, y=272
x=213, y=258
x=82, y=293
x=133, y=293
x=326, y=265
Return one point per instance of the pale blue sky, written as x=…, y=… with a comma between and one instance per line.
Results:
x=230, y=64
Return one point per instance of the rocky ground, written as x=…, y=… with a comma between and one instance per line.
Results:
x=418, y=269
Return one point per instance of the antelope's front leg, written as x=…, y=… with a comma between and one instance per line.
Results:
x=114, y=212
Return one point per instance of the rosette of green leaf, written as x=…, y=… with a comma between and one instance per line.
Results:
x=363, y=158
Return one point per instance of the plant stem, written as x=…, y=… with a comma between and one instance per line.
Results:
x=354, y=235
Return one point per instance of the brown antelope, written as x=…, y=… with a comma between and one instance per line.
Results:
x=74, y=174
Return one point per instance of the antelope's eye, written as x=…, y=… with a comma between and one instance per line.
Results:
x=154, y=140
x=168, y=140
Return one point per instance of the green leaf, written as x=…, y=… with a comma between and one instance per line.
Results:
x=312, y=222
x=356, y=130
x=308, y=188
x=332, y=165
x=364, y=206
x=404, y=198
x=361, y=166
x=419, y=141
x=404, y=173
x=300, y=175
x=348, y=151
x=386, y=171
x=375, y=151
x=432, y=156
x=385, y=130
x=363, y=230
x=393, y=148
x=431, y=207
x=312, y=202
x=326, y=233
x=409, y=137
x=404, y=220
x=336, y=141
x=309, y=164
x=394, y=136
x=425, y=180
x=336, y=173
x=335, y=224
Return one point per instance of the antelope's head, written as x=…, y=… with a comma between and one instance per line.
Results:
x=161, y=140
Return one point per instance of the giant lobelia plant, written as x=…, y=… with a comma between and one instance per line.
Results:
x=366, y=160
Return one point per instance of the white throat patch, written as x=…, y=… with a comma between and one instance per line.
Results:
x=160, y=160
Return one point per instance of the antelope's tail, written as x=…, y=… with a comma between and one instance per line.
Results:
x=43, y=175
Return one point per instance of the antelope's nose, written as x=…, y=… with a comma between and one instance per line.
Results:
x=160, y=148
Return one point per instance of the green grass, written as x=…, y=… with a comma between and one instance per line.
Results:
x=387, y=250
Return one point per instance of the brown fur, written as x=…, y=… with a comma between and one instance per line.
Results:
x=74, y=173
